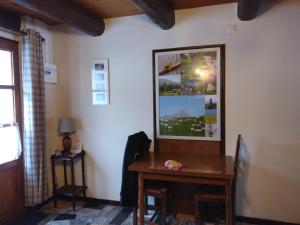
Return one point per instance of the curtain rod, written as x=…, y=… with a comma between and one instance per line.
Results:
x=25, y=33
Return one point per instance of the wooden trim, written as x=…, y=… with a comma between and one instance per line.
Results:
x=223, y=101
x=41, y=204
x=8, y=165
x=104, y=201
x=141, y=198
x=187, y=48
x=8, y=43
x=156, y=146
x=79, y=198
x=260, y=221
x=7, y=39
x=189, y=180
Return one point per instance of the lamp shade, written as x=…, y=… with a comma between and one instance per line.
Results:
x=66, y=126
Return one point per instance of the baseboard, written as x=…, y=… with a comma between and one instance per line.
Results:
x=39, y=205
x=259, y=221
x=79, y=198
x=104, y=201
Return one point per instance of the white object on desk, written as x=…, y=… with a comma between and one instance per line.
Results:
x=76, y=148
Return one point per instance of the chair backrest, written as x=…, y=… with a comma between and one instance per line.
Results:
x=237, y=155
x=138, y=145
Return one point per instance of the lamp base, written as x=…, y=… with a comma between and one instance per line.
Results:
x=67, y=145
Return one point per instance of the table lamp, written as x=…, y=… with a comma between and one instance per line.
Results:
x=66, y=127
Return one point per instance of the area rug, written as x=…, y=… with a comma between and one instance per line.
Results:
x=99, y=214
x=89, y=214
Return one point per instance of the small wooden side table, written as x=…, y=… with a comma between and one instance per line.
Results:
x=67, y=190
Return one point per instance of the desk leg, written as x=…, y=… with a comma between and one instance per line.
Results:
x=229, y=203
x=141, y=198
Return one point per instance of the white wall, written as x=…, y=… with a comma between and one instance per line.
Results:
x=262, y=79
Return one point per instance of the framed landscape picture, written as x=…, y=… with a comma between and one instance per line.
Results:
x=189, y=93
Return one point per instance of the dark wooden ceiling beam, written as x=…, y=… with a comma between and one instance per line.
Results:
x=68, y=13
x=158, y=11
x=248, y=9
x=10, y=21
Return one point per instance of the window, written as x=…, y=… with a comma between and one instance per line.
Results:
x=10, y=103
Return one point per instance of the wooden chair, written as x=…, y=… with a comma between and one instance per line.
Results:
x=161, y=194
x=208, y=193
x=137, y=146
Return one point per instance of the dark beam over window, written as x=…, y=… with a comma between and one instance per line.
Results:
x=68, y=13
x=10, y=21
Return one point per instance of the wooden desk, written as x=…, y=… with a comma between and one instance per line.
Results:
x=197, y=169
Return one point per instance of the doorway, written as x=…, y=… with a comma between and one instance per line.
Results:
x=11, y=158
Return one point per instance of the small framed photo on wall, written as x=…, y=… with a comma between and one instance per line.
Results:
x=100, y=98
x=100, y=82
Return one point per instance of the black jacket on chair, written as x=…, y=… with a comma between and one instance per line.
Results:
x=137, y=146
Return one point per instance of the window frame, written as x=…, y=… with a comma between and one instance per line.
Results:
x=13, y=47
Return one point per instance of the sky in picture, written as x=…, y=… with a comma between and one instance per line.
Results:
x=191, y=105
